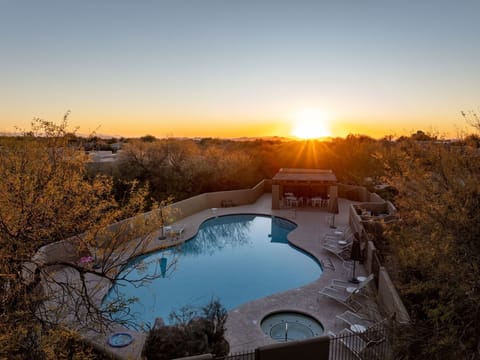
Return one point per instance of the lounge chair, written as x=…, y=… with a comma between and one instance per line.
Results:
x=342, y=284
x=341, y=251
x=176, y=232
x=360, y=344
x=338, y=241
x=340, y=234
x=354, y=320
x=344, y=297
x=352, y=342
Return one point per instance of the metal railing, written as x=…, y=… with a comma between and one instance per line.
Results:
x=245, y=355
x=372, y=344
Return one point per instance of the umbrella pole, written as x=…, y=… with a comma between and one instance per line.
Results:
x=354, y=280
x=332, y=225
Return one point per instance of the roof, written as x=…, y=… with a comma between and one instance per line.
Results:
x=305, y=175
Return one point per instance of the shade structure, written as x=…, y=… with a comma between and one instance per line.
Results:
x=355, y=254
x=333, y=209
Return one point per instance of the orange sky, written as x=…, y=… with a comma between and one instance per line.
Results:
x=235, y=69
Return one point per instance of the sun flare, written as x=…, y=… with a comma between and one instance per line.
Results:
x=310, y=125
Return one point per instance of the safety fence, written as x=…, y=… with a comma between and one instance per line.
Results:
x=374, y=343
x=247, y=355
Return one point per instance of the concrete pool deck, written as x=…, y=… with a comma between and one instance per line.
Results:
x=243, y=325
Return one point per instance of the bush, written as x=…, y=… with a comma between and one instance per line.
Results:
x=194, y=332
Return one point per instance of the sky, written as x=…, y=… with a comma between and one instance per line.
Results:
x=224, y=68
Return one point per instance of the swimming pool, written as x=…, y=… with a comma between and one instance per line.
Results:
x=235, y=258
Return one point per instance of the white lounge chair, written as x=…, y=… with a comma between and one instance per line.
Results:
x=341, y=234
x=343, y=284
x=355, y=320
x=344, y=297
x=352, y=342
x=341, y=251
x=340, y=240
x=360, y=344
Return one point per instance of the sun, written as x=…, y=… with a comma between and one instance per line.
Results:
x=310, y=124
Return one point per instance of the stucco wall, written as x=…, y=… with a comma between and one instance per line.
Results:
x=61, y=251
x=388, y=298
x=353, y=192
x=201, y=202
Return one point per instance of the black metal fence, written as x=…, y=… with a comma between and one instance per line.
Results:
x=246, y=355
x=372, y=344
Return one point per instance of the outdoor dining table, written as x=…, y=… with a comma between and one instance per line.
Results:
x=292, y=201
x=317, y=201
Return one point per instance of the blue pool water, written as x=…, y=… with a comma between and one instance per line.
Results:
x=235, y=258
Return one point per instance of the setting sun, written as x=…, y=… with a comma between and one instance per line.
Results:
x=310, y=125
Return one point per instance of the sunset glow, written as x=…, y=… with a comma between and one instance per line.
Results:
x=213, y=69
x=310, y=124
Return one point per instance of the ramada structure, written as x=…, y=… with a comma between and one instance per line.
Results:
x=305, y=183
x=356, y=207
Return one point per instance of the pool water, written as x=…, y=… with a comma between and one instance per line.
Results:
x=235, y=258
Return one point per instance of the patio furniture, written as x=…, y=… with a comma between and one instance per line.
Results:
x=342, y=284
x=352, y=342
x=338, y=239
x=340, y=251
x=355, y=321
x=363, y=344
x=316, y=201
x=341, y=233
x=342, y=296
x=291, y=201
x=176, y=232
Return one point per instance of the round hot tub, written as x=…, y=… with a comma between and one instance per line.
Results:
x=291, y=325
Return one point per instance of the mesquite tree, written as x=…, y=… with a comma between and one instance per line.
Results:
x=46, y=196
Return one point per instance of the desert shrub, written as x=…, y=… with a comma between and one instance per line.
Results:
x=193, y=332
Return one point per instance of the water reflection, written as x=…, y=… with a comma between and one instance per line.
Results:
x=280, y=230
x=220, y=232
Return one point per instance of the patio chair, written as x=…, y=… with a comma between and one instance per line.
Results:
x=354, y=343
x=344, y=297
x=341, y=251
x=342, y=234
x=176, y=232
x=354, y=320
x=343, y=284
x=338, y=241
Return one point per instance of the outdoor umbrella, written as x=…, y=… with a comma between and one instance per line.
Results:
x=355, y=255
x=333, y=209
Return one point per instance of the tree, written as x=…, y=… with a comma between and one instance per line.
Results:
x=45, y=196
x=194, y=332
x=435, y=249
